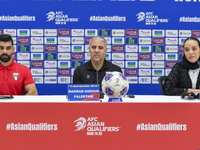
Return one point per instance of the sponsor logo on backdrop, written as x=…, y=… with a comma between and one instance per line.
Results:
x=36, y=56
x=23, y=32
x=159, y=33
x=14, y=56
x=105, y=32
x=23, y=56
x=117, y=40
x=50, y=32
x=131, y=72
x=144, y=40
x=155, y=80
x=180, y=56
x=23, y=40
x=36, y=64
x=144, y=72
x=158, y=64
x=181, y=40
x=144, y=48
x=90, y=32
x=119, y=63
x=52, y=80
x=189, y=19
x=12, y=32
x=17, y=18
x=107, y=56
x=36, y=40
x=196, y=33
x=38, y=80
x=158, y=49
x=77, y=32
x=150, y=18
x=171, y=49
x=37, y=71
x=93, y=126
x=144, y=64
x=64, y=32
x=50, y=40
x=108, y=39
x=63, y=56
x=77, y=40
x=87, y=40
x=171, y=41
x=63, y=72
x=36, y=32
x=158, y=41
x=50, y=71
x=60, y=18
x=64, y=64
x=181, y=49
x=50, y=56
x=131, y=56
x=167, y=71
x=131, y=48
x=64, y=80
x=132, y=80
x=170, y=64
x=50, y=64
x=75, y=64
x=107, y=18
x=117, y=48
x=25, y=63
x=63, y=40
x=130, y=32
x=77, y=56
x=131, y=64
x=50, y=48
x=117, y=32
x=63, y=48
x=77, y=48
x=131, y=40
x=36, y=48
x=157, y=72
x=171, y=33
x=145, y=80
x=157, y=56
x=23, y=48
x=144, y=32
x=185, y=33
x=171, y=57
x=144, y=56
x=118, y=56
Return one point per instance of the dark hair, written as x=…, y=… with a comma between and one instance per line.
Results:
x=192, y=38
x=6, y=38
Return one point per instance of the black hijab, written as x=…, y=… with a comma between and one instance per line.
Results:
x=188, y=65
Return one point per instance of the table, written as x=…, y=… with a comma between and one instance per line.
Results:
x=145, y=122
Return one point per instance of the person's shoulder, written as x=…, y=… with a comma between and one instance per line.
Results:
x=110, y=64
x=83, y=66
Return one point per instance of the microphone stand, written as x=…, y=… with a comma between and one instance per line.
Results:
x=97, y=72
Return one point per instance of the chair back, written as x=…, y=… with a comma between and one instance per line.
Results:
x=161, y=81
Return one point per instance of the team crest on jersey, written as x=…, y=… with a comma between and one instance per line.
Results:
x=16, y=76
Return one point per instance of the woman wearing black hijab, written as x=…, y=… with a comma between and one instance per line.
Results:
x=184, y=76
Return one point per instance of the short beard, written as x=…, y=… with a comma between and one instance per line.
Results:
x=5, y=59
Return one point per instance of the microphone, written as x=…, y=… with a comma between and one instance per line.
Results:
x=97, y=71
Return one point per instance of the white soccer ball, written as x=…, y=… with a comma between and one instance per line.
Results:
x=115, y=85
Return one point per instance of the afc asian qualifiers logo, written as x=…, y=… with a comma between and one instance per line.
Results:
x=80, y=124
x=94, y=126
x=50, y=16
